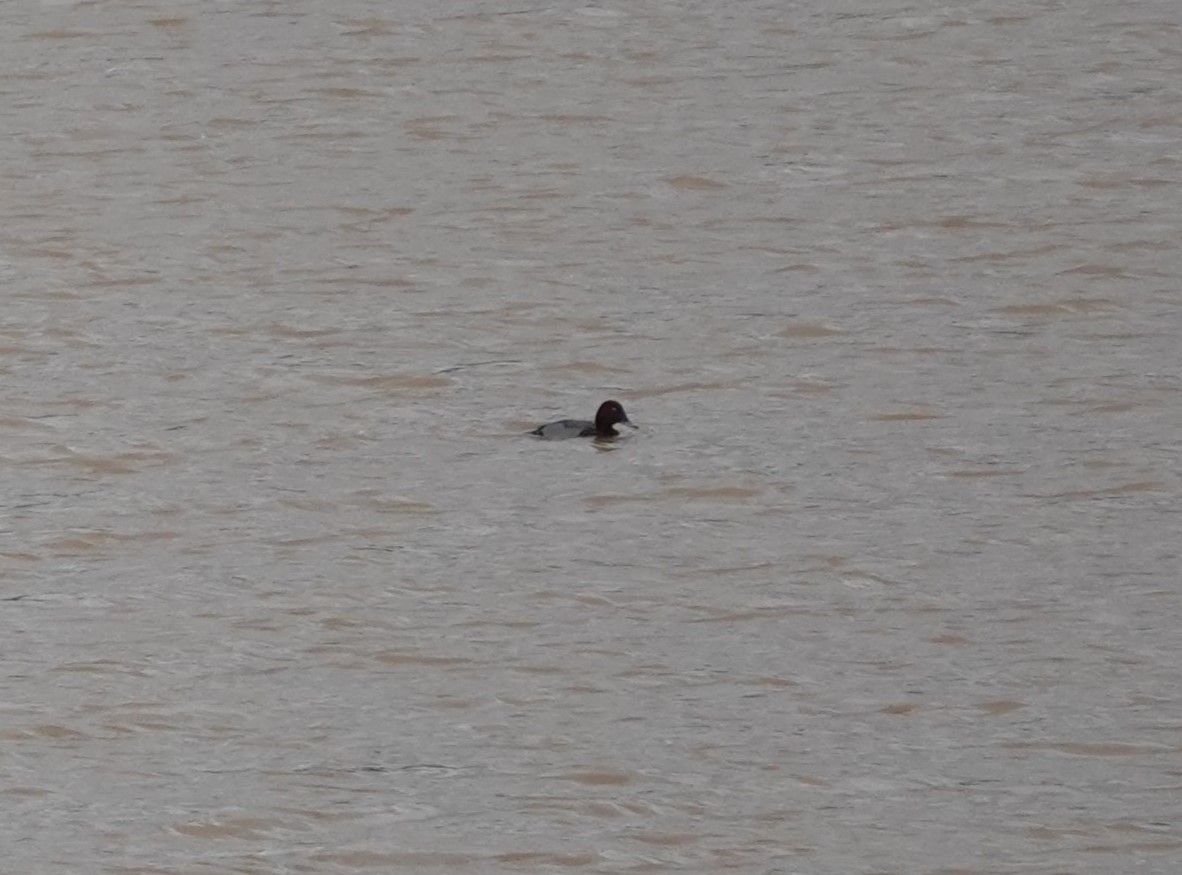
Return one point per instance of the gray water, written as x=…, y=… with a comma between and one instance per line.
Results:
x=887, y=582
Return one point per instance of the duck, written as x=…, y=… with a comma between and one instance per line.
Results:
x=610, y=414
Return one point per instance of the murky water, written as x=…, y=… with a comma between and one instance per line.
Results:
x=887, y=582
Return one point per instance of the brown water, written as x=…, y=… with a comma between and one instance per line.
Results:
x=888, y=582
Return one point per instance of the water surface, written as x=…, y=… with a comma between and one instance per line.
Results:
x=887, y=582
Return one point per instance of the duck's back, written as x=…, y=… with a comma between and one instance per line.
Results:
x=565, y=428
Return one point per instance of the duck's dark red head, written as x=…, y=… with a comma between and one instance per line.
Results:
x=610, y=413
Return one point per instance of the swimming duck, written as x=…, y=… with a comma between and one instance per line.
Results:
x=610, y=413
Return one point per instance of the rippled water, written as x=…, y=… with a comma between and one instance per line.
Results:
x=887, y=582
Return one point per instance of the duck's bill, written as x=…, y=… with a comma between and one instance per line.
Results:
x=630, y=424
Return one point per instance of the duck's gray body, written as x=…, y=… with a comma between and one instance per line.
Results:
x=565, y=428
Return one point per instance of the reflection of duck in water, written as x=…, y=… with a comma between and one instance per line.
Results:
x=610, y=414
